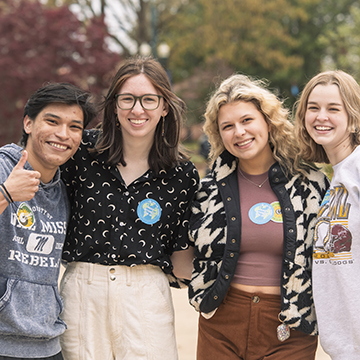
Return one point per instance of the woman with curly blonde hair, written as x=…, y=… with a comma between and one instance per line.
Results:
x=281, y=135
x=252, y=225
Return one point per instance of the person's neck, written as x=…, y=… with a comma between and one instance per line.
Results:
x=136, y=150
x=136, y=156
x=46, y=174
x=256, y=167
x=338, y=154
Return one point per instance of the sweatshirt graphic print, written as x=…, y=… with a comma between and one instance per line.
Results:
x=333, y=239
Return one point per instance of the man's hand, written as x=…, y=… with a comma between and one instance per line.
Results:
x=22, y=184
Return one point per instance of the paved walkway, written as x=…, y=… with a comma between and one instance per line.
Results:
x=186, y=327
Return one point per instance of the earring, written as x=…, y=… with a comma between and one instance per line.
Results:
x=117, y=122
x=163, y=126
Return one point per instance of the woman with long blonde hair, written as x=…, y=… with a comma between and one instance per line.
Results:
x=328, y=129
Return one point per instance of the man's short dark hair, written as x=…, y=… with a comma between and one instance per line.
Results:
x=63, y=93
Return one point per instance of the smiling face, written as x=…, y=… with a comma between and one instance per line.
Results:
x=326, y=121
x=139, y=123
x=245, y=134
x=54, y=136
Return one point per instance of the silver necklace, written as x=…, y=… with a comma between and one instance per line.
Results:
x=241, y=173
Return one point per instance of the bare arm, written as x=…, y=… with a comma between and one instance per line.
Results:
x=21, y=184
x=183, y=263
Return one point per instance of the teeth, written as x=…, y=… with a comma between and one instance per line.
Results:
x=62, y=147
x=137, y=122
x=245, y=142
x=322, y=128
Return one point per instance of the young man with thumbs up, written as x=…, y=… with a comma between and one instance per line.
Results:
x=34, y=212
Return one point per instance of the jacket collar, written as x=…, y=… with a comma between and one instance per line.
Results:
x=224, y=166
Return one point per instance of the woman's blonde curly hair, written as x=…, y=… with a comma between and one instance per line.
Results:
x=281, y=136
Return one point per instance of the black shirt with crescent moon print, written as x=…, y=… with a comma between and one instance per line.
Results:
x=115, y=224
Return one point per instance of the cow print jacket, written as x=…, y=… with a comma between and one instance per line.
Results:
x=215, y=229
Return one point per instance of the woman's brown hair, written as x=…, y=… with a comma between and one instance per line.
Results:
x=165, y=152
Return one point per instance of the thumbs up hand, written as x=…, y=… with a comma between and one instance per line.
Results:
x=22, y=184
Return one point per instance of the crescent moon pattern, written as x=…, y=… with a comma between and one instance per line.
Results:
x=104, y=225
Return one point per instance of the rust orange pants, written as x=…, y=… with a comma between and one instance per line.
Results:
x=244, y=327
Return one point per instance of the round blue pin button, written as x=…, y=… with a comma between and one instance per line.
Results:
x=261, y=213
x=149, y=211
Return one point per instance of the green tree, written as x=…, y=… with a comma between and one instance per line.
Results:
x=280, y=40
x=321, y=35
x=342, y=43
x=213, y=38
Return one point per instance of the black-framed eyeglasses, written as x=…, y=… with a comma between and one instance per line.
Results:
x=147, y=101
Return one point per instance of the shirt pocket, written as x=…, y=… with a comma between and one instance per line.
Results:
x=31, y=310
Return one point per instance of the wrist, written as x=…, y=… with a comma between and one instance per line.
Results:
x=6, y=193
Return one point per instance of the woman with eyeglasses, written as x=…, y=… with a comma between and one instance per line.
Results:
x=130, y=187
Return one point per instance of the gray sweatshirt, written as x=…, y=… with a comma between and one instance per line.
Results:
x=336, y=262
x=31, y=241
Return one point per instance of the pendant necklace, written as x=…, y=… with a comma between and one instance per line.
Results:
x=259, y=186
